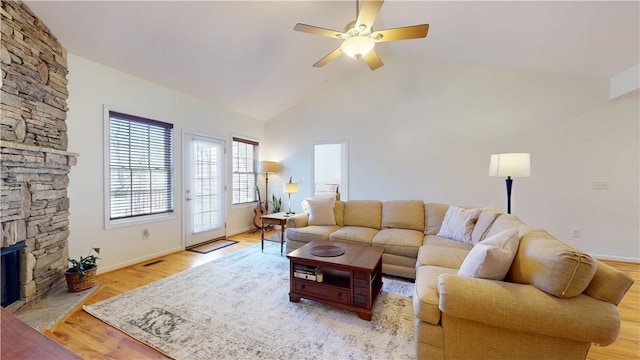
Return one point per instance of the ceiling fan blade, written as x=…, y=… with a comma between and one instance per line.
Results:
x=368, y=13
x=373, y=60
x=407, y=32
x=332, y=55
x=318, y=31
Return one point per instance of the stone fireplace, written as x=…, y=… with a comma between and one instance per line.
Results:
x=34, y=161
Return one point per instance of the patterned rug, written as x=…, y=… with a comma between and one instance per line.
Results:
x=238, y=307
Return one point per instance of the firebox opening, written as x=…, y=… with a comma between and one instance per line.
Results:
x=10, y=272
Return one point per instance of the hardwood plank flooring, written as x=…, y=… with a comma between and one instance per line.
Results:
x=92, y=339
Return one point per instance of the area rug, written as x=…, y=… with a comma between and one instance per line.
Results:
x=211, y=246
x=238, y=307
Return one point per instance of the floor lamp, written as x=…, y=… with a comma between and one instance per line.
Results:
x=510, y=165
x=267, y=167
x=290, y=188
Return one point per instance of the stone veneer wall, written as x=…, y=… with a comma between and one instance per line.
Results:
x=34, y=161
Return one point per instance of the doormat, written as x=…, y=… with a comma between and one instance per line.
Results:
x=212, y=246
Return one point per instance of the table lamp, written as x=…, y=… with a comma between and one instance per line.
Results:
x=290, y=188
x=510, y=165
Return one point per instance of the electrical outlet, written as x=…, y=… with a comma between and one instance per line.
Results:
x=146, y=235
x=600, y=185
x=575, y=233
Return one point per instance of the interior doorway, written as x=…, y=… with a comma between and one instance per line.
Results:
x=330, y=166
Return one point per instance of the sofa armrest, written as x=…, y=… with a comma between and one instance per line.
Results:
x=523, y=307
x=298, y=220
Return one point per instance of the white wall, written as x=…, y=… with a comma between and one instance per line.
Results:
x=91, y=85
x=424, y=129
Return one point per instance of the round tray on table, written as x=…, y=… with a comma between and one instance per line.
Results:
x=327, y=250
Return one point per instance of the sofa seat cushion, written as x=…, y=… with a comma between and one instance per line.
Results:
x=551, y=265
x=440, y=241
x=399, y=241
x=403, y=214
x=310, y=233
x=442, y=256
x=397, y=265
x=354, y=235
x=425, y=297
x=363, y=213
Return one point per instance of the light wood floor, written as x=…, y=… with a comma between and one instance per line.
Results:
x=92, y=339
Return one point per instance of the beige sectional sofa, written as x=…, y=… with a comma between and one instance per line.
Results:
x=551, y=301
x=398, y=227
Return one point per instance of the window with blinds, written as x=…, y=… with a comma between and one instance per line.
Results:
x=140, y=167
x=245, y=166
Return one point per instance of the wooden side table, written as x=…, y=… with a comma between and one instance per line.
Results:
x=274, y=219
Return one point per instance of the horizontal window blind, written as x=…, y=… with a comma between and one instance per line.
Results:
x=245, y=163
x=140, y=166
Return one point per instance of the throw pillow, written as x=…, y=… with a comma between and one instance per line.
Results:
x=492, y=258
x=458, y=223
x=305, y=202
x=321, y=211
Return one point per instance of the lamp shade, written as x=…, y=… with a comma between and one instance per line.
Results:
x=267, y=166
x=512, y=164
x=290, y=188
x=357, y=46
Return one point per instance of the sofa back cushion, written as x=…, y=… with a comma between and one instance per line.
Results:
x=505, y=222
x=485, y=220
x=551, y=265
x=365, y=213
x=434, y=215
x=608, y=284
x=403, y=214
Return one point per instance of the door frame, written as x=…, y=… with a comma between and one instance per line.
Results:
x=185, y=181
x=343, y=188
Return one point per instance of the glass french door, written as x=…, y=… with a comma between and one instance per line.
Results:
x=204, y=189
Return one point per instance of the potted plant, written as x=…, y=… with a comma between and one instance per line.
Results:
x=277, y=203
x=81, y=275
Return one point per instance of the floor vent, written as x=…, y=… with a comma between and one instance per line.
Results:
x=153, y=263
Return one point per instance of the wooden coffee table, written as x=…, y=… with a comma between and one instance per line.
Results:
x=350, y=281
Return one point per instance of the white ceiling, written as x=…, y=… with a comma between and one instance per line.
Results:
x=244, y=55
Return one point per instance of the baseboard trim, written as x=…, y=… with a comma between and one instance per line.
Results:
x=106, y=269
x=616, y=258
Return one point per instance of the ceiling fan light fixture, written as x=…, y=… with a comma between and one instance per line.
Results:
x=357, y=46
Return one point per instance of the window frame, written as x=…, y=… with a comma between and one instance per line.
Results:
x=256, y=144
x=136, y=219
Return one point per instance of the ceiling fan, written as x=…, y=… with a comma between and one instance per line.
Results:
x=359, y=38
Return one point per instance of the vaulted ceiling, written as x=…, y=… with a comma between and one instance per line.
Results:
x=244, y=55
